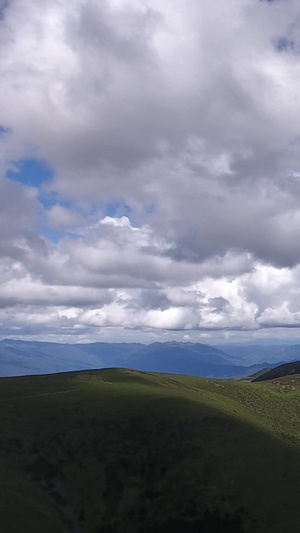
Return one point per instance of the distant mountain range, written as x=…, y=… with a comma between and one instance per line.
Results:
x=249, y=354
x=19, y=358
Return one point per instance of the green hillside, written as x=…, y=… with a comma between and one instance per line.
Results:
x=123, y=451
x=287, y=369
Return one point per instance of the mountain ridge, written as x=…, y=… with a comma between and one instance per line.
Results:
x=18, y=357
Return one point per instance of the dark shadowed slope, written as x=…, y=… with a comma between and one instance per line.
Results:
x=287, y=369
x=118, y=451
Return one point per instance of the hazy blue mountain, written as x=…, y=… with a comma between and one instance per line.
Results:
x=19, y=358
x=248, y=354
x=198, y=351
x=171, y=361
x=22, y=358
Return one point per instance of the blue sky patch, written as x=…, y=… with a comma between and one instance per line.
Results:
x=3, y=131
x=283, y=44
x=150, y=208
x=3, y=5
x=31, y=172
x=117, y=209
x=51, y=234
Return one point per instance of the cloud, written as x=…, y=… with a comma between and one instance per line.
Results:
x=184, y=115
x=19, y=219
x=60, y=217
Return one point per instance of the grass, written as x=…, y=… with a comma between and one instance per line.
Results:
x=124, y=451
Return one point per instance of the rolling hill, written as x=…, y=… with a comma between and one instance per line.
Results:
x=120, y=451
x=287, y=369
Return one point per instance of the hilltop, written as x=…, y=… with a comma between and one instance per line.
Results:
x=122, y=451
x=287, y=369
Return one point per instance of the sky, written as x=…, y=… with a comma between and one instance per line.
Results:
x=150, y=170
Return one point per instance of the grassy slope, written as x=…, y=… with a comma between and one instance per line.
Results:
x=287, y=369
x=252, y=377
x=123, y=451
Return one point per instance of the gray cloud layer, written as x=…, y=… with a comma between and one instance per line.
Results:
x=188, y=114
